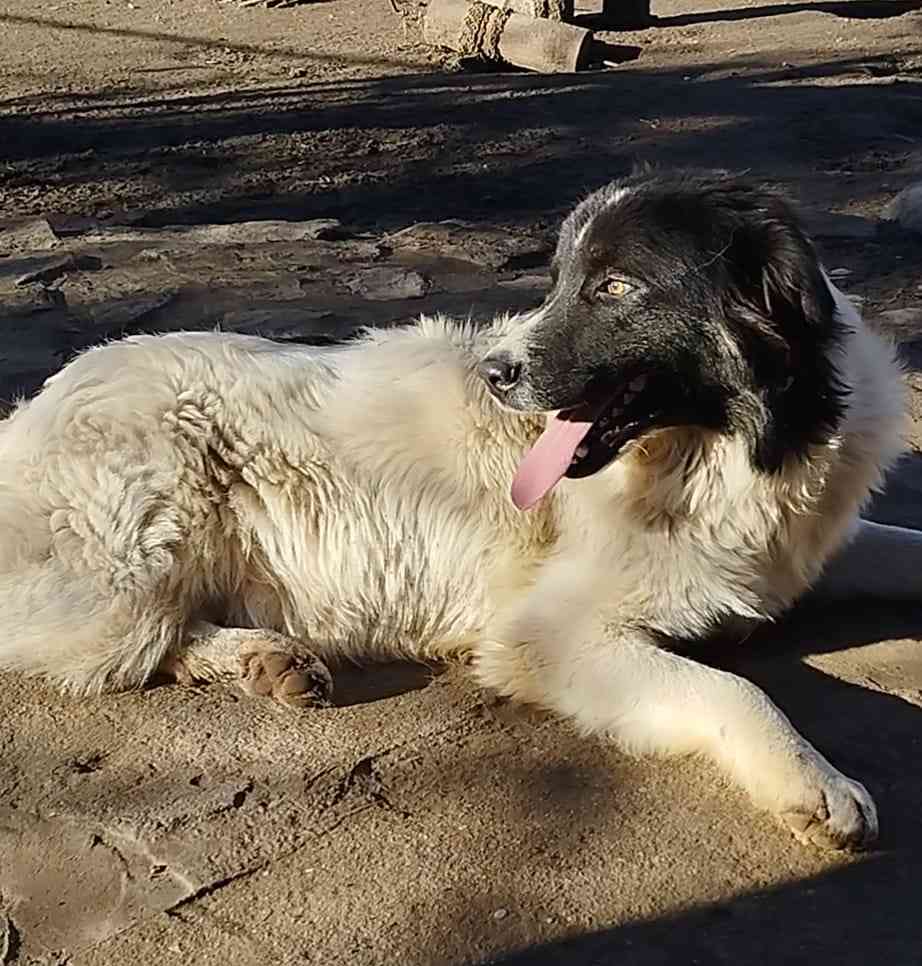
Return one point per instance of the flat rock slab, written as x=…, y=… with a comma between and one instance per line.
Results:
x=45, y=269
x=527, y=283
x=385, y=284
x=485, y=246
x=33, y=235
x=288, y=323
x=236, y=233
x=311, y=282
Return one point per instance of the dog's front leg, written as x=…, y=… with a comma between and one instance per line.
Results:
x=619, y=683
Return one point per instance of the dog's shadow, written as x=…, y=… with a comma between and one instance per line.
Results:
x=870, y=726
x=355, y=685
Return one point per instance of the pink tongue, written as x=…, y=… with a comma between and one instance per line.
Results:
x=547, y=461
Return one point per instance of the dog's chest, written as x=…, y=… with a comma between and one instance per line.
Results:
x=681, y=570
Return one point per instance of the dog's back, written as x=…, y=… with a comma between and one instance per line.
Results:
x=353, y=495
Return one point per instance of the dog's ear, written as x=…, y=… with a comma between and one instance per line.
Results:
x=778, y=282
x=785, y=314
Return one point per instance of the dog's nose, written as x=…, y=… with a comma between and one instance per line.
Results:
x=501, y=372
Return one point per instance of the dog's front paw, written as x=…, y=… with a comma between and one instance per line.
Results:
x=301, y=681
x=836, y=813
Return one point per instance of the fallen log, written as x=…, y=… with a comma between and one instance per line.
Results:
x=476, y=29
x=560, y=10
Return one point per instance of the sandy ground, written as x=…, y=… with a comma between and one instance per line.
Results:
x=417, y=823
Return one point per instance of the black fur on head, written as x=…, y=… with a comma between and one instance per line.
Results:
x=704, y=287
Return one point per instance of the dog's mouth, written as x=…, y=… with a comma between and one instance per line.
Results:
x=581, y=441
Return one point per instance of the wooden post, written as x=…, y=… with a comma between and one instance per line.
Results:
x=626, y=13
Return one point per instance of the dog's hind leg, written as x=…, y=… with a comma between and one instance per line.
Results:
x=262, y=662
x=71, y=631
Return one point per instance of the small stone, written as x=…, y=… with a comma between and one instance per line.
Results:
x=500, y=913
x=906, y=209
x=151, y=255
x=326, y=229
x=384, y=284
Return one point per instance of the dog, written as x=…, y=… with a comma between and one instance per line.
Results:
x=677, y=443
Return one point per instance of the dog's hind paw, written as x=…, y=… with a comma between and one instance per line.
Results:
x=841, y=815
x=300, y=681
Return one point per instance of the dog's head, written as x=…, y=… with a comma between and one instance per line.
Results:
x=677, y=300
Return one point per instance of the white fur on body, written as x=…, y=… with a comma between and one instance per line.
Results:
x=356, y=500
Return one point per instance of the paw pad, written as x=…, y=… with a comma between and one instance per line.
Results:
x=301, y=681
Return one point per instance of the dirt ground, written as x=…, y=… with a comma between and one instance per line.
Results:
x=301, y=171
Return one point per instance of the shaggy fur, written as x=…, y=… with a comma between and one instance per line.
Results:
x=221, y=506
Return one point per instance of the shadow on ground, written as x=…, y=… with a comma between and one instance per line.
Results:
x=508, y=147
x=842, y=914
x=848, y=9
x=839, y=915
x=836, y=918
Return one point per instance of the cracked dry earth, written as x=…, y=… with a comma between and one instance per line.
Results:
x=277, y=171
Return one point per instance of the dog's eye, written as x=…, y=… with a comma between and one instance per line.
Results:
x=614, y=288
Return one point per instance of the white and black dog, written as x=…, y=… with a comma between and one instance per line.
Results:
x=677, y=442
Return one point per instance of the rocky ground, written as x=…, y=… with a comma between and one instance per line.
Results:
x=301, y=171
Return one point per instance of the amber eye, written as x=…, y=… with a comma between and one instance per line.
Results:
x=615, y=288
